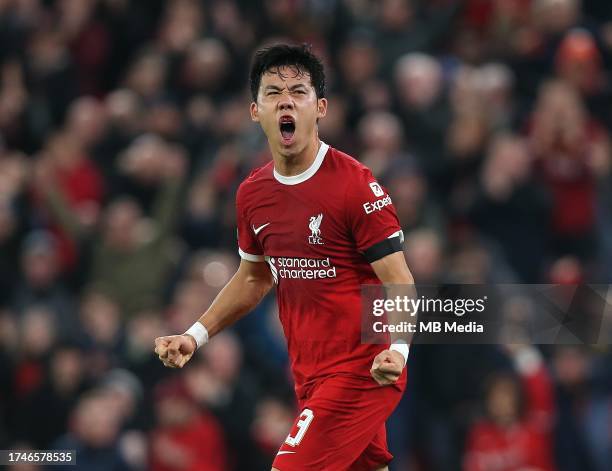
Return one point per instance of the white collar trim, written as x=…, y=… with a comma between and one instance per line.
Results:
x=306, y=174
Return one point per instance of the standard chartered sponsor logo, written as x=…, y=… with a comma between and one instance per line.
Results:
x=301, y=268
x=377, y=205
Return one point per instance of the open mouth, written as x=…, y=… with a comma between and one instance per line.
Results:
x=287, y=128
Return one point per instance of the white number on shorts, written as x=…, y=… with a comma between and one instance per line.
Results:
x=305, y=418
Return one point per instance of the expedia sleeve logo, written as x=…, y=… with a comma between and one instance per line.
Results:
x=372, y=206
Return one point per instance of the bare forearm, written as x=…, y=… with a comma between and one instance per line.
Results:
x=243, y=292
x=399, y=284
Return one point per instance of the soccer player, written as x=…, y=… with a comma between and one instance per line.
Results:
x=315, y=222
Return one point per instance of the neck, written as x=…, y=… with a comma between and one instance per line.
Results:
x=294, y=164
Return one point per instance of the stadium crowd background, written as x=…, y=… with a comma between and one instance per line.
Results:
x=124, y=132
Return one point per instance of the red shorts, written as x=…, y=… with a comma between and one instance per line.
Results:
x=341, y=426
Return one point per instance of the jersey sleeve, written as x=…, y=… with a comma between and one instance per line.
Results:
x=372, y=218
x=249, y=247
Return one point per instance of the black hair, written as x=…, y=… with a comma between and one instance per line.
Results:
x=279, y=55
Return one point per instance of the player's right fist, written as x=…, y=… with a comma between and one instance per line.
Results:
x=175, y=350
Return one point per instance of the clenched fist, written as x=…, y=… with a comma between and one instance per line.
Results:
x=387, y=367
x=175, y=350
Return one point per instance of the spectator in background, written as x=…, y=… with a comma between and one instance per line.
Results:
x=94, y=432
x=466, y=136
x=584, y=412
x=497, y=83
x=511, y=208
x=579, y=62
x=88, y=121
x=381, y=139
x=8, y=347
x=53, y=80
x=425, y=253
x=206, y=69
x=147, y=75
x=53, y=399
x=125, y=391
x=13, y=178
x=415, y=207
x=358, y=67
x=37, y=332
x=572, y=153
x=516, y=433
x=423, y=107
x=185, y=438
x=42, y=285
x=272, y=423
x=13, y=104
x=334, y=128
x=219, y=385
x=66, y=167
x=101, y=332
x=406, y=26
x=131, y=260
x=136, y=356
x=202, y=216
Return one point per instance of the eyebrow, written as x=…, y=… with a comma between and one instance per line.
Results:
x=293, y=87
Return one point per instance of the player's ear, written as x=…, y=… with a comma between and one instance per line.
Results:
x=321, y=108
x=254, y=112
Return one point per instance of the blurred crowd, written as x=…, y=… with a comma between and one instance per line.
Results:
x=124, y=133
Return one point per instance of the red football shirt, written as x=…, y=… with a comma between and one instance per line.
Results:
x=319, y=231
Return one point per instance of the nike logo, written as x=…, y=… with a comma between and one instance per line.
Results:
x=285, y=452
x=257, y=230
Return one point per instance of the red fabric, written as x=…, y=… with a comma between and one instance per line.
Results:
x=28, y=377
x=525, y=444
x=492, y=448
x=341, y=426
x=79, y=184
x=540, y=399
x=319, y=281
x=201, y=440
x=90, y=50
x=566, y=172
x=479, y=14
x=83, y=182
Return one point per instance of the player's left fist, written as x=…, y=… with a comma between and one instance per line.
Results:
x=387, y=367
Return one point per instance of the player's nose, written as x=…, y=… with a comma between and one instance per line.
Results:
x=285, y=102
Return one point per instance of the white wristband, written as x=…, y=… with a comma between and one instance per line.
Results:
x=199, y=333
x=402, y=347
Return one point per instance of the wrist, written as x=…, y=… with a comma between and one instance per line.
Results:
x=401, y=347
x=192, y=340
x=198, y=333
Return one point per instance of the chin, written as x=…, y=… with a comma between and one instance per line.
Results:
x=289, y=150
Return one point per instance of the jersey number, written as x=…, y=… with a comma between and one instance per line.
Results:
x=302, y=425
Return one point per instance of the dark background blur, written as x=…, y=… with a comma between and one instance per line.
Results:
x=124, y=133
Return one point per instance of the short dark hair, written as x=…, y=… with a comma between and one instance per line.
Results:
x=281, y=55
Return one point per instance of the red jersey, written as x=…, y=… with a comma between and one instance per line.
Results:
x=319, y=231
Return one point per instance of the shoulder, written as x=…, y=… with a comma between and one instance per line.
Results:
x=358, y=183
x=253, y=182
x=348, y=166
